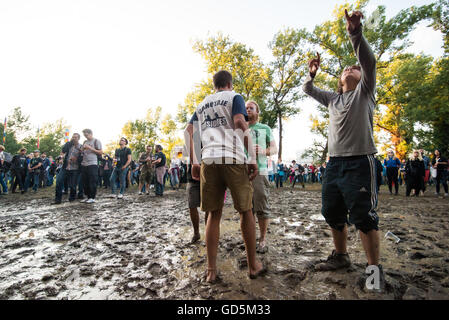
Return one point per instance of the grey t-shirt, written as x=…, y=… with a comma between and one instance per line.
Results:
x=89, y=157
x=351, y=113
x=74, y=152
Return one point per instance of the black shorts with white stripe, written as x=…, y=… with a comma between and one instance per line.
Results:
x=350, y=189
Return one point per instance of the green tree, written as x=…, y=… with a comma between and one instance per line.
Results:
x=388, y=40
x=169, y=132
x=51, y=138
x=250, y=76
x=287, y=71
x=17, y=127
x=141, y=132
x=401, y=89
x=11, y=144
x=441, y=22
x=433, y=111
x=18, y=123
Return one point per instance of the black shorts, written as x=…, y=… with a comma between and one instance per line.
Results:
x=350, y=188
x=193, y=194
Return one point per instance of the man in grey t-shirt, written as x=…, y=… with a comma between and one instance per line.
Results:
x=349, y=184
x=91, y=149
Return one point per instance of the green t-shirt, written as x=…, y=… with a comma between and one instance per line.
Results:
x=261, y=135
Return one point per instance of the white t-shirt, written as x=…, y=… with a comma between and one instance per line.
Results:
x=214, y=121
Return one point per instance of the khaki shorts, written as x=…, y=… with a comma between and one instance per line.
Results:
x=215, y=178
x=146, y=177
x=260, y=197
x=193, y=194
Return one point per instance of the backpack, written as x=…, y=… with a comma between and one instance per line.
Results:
x=99, y=157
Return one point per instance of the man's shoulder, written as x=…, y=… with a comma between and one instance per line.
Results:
x=260, y=125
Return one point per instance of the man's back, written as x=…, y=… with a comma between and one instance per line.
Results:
x=216, y=126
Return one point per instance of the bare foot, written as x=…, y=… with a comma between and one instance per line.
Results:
x=195, y=238
x=258, y=271
x=211, y=275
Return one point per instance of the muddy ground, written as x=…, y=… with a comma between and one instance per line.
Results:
x=138, y=248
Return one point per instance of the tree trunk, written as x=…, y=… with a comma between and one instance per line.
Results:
x=324, y=154
x=280, y=136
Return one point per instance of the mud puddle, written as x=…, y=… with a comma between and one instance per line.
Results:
x=138, y=248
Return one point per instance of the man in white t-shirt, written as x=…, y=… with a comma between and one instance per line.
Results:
x=219, y=128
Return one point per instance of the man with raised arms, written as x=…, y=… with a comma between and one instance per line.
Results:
x=349, y=184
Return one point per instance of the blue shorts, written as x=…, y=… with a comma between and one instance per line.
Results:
x=350, y=189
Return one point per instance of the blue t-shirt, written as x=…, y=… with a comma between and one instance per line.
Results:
x=392, y=163
x=281, y=170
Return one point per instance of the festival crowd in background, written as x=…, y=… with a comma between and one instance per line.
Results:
x=25, y=171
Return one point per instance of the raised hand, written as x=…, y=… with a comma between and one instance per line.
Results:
x=314, y=64
x=353, y=20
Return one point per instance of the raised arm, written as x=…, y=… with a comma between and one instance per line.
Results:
x=362, y=50
x=322, y=96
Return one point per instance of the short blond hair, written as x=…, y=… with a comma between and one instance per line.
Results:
x=2, y=147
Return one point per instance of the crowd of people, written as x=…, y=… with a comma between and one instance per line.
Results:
x=82, y=168
x=417, y=172
x=279, y=173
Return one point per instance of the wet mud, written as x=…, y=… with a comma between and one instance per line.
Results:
x=138, y=248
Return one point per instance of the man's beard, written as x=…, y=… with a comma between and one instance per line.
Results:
x=252, y=117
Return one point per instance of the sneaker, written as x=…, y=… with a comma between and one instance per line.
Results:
x=445, y=195
x=90, y=201
x=120, y=196
x=334, y=262
x=84, y=200
x=5, y=193
x=56, y=202
x=140, y=193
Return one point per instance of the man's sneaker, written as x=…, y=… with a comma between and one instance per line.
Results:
x=334, y=262
x=120, y=196
x=56, y=202
x=372, y=285
x=84, y=200
x=140, y=193
x=90, y=201
x=445, y=195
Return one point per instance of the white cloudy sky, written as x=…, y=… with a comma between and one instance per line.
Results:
x=99, y=63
